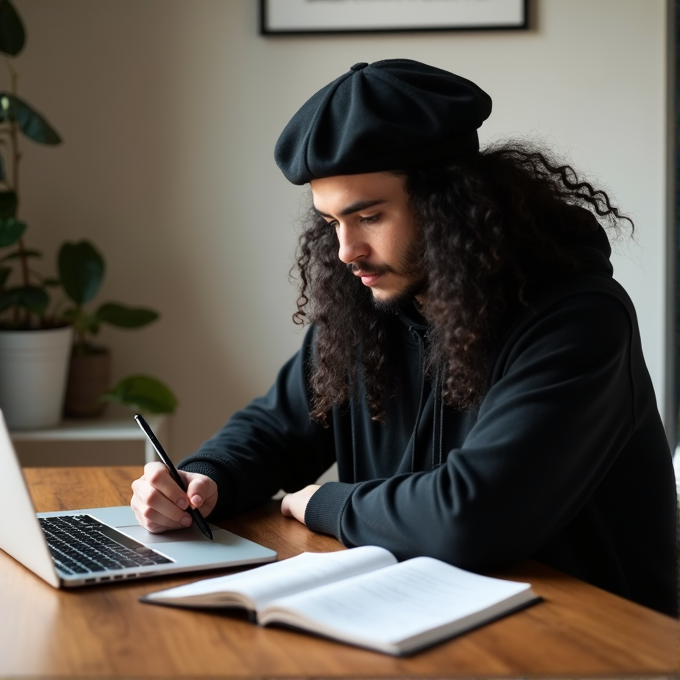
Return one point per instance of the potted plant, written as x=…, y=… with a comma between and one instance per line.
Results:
x=81, y=272
x=34, y=342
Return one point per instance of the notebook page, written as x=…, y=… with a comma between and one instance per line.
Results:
x=400, y=602
x=293, y=575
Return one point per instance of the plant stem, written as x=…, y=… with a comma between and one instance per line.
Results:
x=79, y=348
x=14, y=133
x=16, y=160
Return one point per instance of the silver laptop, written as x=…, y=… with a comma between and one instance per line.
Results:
x=103, y=545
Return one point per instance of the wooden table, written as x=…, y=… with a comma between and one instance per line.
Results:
x=104, y=632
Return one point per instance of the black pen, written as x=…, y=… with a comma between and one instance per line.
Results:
x=198, y=518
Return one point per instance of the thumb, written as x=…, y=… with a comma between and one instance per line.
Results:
x=201, y=490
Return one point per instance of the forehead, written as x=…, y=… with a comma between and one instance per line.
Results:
x=336, y=194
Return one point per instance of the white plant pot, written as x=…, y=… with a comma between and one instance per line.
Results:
x=33, y=370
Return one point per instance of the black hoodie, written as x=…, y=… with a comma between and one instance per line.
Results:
x=565, y=461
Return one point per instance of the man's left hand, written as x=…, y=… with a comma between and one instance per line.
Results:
x=295, y=504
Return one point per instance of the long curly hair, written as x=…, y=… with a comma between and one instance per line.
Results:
x=492, y=227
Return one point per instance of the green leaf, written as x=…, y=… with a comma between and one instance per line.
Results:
x=143, y=393
x=32, y=298
x=125, y=317
x=89, y=324
x=6, y=300
x=30, y=122
x=12, y=34
x=8, y=204
x=81, y=321
x=4, y=275
x=70, y=315
x=11, y=231
x=81, y=270
x=17, y=254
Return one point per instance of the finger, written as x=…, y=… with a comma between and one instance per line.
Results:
x=154, y=521
x=285, y=506
x=154, y=527
x=146, y=515
x=152, y=504
x=143, y=514
x=201, y=491
x=159, y=478
x=293, y=505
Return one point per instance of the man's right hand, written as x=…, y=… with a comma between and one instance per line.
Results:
x=161, y=505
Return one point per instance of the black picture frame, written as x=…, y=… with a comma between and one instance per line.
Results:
x=318, y=17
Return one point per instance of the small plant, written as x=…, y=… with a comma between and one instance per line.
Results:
x=24, y=302
x=81, y=272
x=142, y=393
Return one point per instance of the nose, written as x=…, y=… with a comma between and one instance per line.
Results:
x=351, y=246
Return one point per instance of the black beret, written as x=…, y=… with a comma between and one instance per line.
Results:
x=393, y=114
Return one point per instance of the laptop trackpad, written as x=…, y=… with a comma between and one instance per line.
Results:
x=140, y=534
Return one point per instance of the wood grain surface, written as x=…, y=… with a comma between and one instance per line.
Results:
x=105, y=632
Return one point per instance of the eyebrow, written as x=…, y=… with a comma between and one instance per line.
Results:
x=353, y=207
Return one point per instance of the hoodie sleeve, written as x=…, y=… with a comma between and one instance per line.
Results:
x=570, y=391
x=270, y=445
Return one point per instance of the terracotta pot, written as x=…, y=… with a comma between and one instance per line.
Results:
x=89, y=377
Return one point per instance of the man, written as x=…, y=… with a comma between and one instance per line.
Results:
x=471, y=365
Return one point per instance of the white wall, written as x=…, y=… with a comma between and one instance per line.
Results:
x=170, y=110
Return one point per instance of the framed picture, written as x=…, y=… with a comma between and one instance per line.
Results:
x=388, y=16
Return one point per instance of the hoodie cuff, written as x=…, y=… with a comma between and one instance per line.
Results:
x=324, y=509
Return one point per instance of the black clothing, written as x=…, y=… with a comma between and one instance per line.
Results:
x=565, y=461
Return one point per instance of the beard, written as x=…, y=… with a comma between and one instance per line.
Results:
x=410, y=267
x=394, y=304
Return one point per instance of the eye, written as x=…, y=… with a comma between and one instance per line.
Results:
x=370, y=219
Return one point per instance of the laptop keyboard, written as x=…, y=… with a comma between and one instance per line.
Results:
x=80, y=545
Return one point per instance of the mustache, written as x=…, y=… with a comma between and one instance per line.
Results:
x=368, y=268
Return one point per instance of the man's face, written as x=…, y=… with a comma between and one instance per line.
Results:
x=377, y=234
